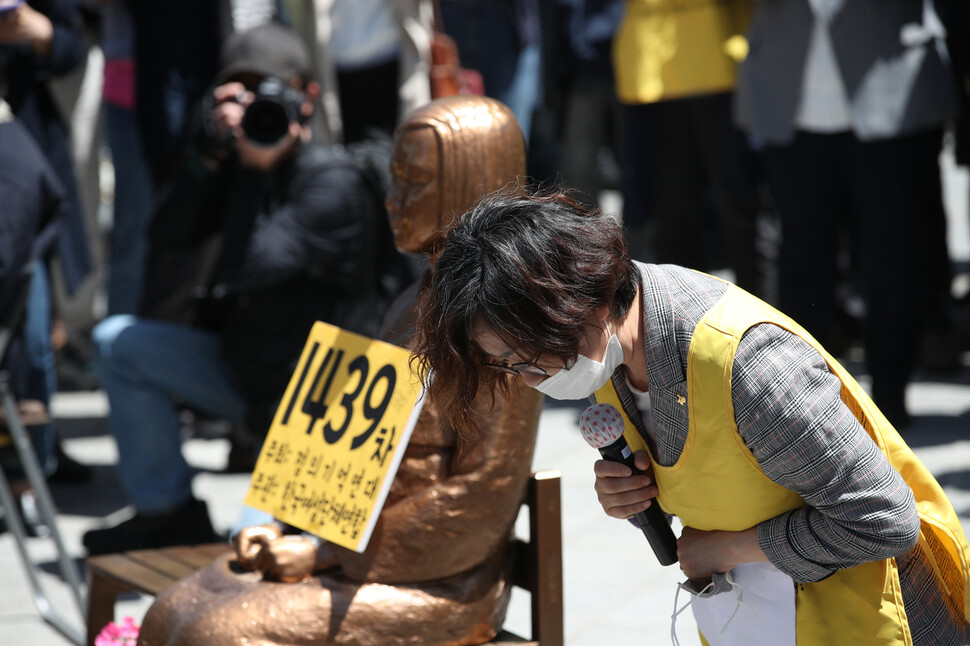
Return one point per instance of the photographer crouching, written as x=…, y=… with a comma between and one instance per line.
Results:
x=259, y=235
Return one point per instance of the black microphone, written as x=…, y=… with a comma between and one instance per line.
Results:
x=602, y=428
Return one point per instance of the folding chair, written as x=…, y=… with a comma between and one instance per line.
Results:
x=11, y=321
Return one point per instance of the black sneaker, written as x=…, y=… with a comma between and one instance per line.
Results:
x=188, y=525
x=69, y=470
x=242, y=456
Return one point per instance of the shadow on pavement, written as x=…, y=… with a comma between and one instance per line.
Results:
x=82, y=427
x=932, y=430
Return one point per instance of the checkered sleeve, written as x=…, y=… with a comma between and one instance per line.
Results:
x=790, y=415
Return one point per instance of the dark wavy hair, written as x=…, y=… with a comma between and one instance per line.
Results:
x=531, y=268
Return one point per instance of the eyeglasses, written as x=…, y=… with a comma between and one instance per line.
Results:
x=523, y=368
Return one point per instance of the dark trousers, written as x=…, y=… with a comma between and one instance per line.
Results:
x=689, y=175
x=884, y=194
x=369, y=101
x=588, y=131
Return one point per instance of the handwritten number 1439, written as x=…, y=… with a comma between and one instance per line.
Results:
x=315, y=407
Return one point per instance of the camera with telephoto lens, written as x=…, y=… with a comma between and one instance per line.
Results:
x=275, y=106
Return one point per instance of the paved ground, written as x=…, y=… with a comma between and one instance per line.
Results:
x=615, y=593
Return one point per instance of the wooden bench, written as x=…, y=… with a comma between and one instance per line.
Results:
x=144, y=571
x=536, y=567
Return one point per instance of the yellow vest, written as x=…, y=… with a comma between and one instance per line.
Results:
x=716, y=484
x=667, y=49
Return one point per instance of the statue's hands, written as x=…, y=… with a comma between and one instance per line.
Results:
x=249, y=541
x=288, y=559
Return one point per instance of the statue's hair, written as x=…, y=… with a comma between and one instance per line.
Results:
x=532, y=269
x=480, y=149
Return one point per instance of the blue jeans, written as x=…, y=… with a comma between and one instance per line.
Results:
x=35, y=375
x=41, y=377
x=132, y=210
x=144, y=366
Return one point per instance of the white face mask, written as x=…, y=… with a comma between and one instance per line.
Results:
x=584, y=377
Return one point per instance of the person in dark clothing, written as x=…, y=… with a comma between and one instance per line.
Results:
x=32, y=201
x=40, y=40
x=172, y=80
x=33, y=209
x=298, y=230
x=502, y=41
x=579, y=106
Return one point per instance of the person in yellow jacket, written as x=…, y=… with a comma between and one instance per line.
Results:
x=797, y=496
x=683, y=160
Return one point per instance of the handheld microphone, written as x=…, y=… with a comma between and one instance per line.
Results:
x=602, y=428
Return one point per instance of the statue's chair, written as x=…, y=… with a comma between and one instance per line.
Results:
x=536, y=567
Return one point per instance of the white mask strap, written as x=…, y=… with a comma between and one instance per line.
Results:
x=737, y=586
x=677, y=612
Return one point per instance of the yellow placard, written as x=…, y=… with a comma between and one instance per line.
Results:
x=338, y=436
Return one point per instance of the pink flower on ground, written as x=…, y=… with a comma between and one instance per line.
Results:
x=114, y=635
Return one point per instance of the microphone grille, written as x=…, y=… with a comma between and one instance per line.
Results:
x=601, y=425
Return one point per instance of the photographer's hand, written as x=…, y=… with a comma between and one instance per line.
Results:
x=231, y=100
x=229, y=103
x=27, y=25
